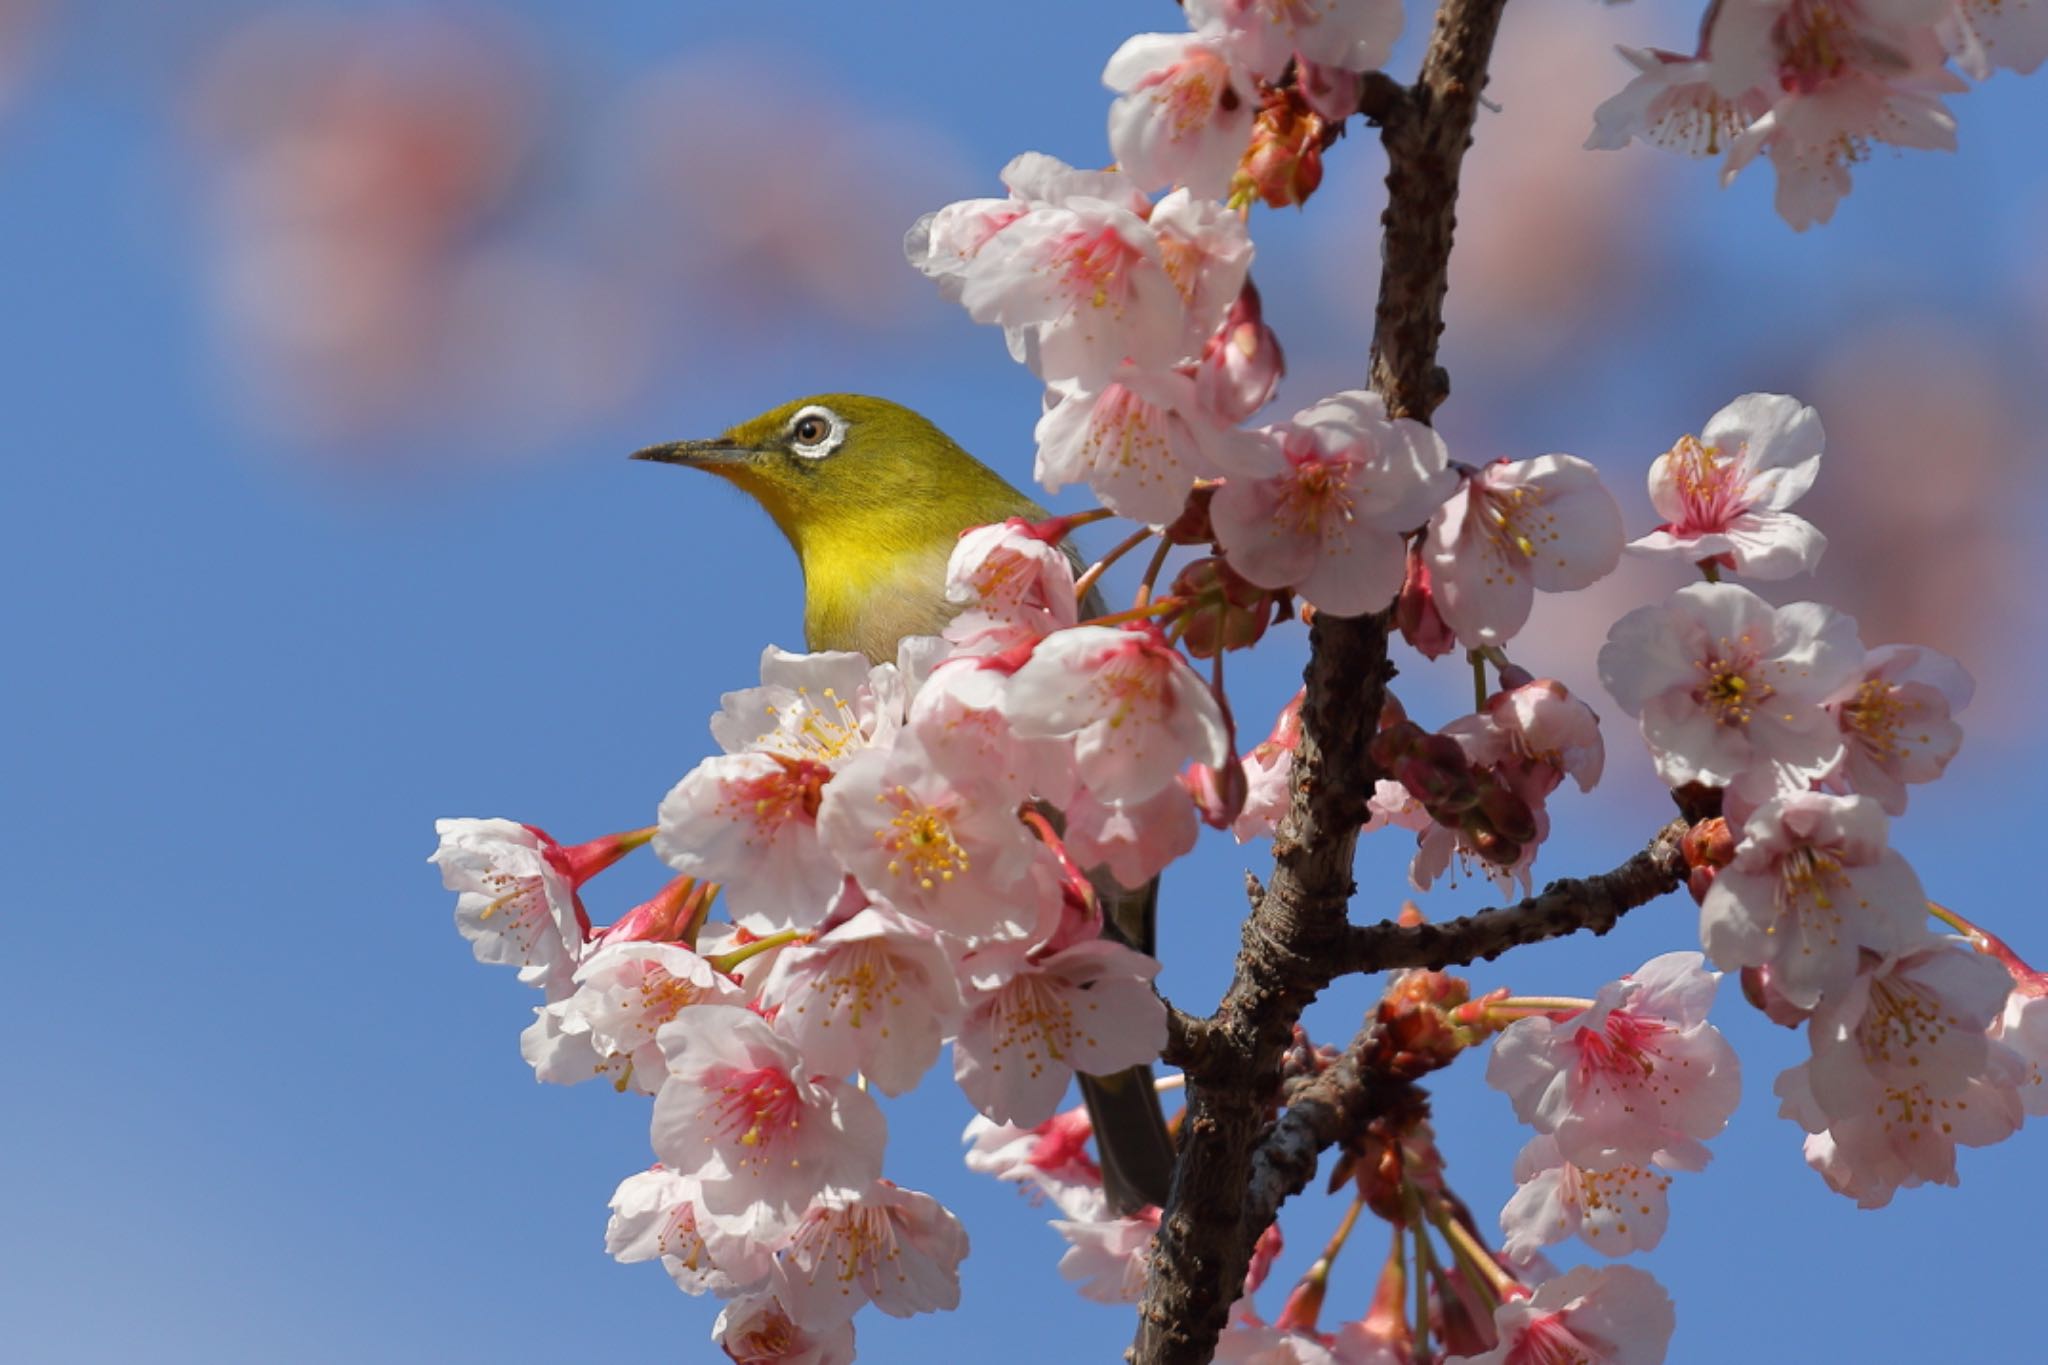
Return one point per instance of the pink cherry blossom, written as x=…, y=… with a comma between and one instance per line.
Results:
x=1605, y=1315
x=1140, y=442
x=1352, y=35
x=1327, y=516
x=654, y=1215
x=1051, y=1160
x=1812, y=887
x=948, y=851
x=1182, y=116
x=1207, y=252
x=1723, y=494
x=749, y=821
x=958, y=723
x=1511, y=529
x=1641, y=1076
x=1616, y=1211
x=2023, y=1027
x=1535, y=734
x=1241, y=363
x=1985, y=35
x=1245, y=1343
x=1268, y=770
x=1135, y=840
x=874, y=995
x=1109, y=1258
x=625, y=992
x=1677, y=103
x=1730, y=690
x=1135, y=711
x=1032, y=1024
x=742, y=1113
x=1897, y=722
x=895, y=1248
x=1012, y=586
x=943, y=245
x=755, y=1329
x=823, y=708
x=1079, y=289
x=516, y=894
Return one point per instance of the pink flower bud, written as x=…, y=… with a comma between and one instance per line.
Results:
x=1415, y=610
x=1241, y=363
x=1219, y=793
x=1758, y=990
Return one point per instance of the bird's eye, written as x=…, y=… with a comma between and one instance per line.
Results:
x=816, y=432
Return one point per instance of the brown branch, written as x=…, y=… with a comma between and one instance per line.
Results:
x=1566, y=906
x=1297, y=932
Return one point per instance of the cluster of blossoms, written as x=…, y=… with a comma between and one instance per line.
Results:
x=1813, y=83
x=914, y=853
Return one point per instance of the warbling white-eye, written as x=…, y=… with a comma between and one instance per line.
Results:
x=873, y=497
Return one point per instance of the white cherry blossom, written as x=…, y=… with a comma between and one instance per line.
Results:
x=823, y=707
x=625, y=992
x=1012, y=586
x=1986, y=35
x=516, y=896
x=874, y=995
x=1723, y=493
x=1182, y=115
x=1897, y=722
x=1051, y=1160
x=1730, y=690
x=1109, y=1258
x=1134, y=710
x=755, y=1329
x=1512, y=528
x=1616, y=1211
x=1031, y=1024
x=895, y=1248
x=749, y=821
x=1327, y=514
x=1812, y=887
x=1353, y=35
x=1140, y=442
x=654, y=1215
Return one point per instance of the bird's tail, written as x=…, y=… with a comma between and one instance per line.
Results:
x=1131, y=1140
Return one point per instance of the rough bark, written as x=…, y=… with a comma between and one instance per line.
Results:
x=1298, y=932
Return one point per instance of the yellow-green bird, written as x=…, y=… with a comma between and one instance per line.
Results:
x=873, y=497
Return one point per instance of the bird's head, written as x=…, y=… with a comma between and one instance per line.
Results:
x=841, y=465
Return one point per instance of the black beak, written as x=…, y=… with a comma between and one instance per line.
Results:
x=701, y=454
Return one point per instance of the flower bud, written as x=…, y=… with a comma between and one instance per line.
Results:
x=1219, y=793
x=1759, y=991
x=1506, y=813
x=1241, y=362
x=1192, y=527
x=1284, y=163
x=1225, y=610
x=1415, y=610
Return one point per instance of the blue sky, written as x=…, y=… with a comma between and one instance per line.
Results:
x=266, y=1108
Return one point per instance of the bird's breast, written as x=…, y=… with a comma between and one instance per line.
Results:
x=865, y=598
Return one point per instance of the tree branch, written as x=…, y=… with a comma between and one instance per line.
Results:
x=1566, y=906
x=1297, y=932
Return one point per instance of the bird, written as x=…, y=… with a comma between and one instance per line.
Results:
x=872, y=497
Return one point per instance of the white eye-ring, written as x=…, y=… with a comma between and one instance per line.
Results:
x=816, y=432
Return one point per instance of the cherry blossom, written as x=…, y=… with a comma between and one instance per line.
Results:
x=1135, y=840
x=1723, y=493
x=1897, y=722
x=755, y=1329
x=559, y=1048
x=1606, y=1315
x=2023, y=1027
x=1078, y=289
x=1352, y=35
x=1675, y=102
x=1031, y=1024
x=1109, y=1257
x=948, y=851
x=874, y=995
x=958, y=723
x=625, y=992
x=1268, y=769
x=1134, y=710
x=1327, y=515
x=1616, y=1211
x=1904, y=1071
x=1984, y=35
x=1244, y=1343
x=742, y=1113
x=1051, y=1160
x=1182, y=116
x=516, y=893
x=1812, y=887
x=654, y=1214
x=1012, y=586
x=943, y=245
x=1140, y=442
x=823, y=708
x=1207, y=253
x=749, y=821
x=1640, y=1076
x=1730, y=690
x=895, y=1248
x=1512, y=528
